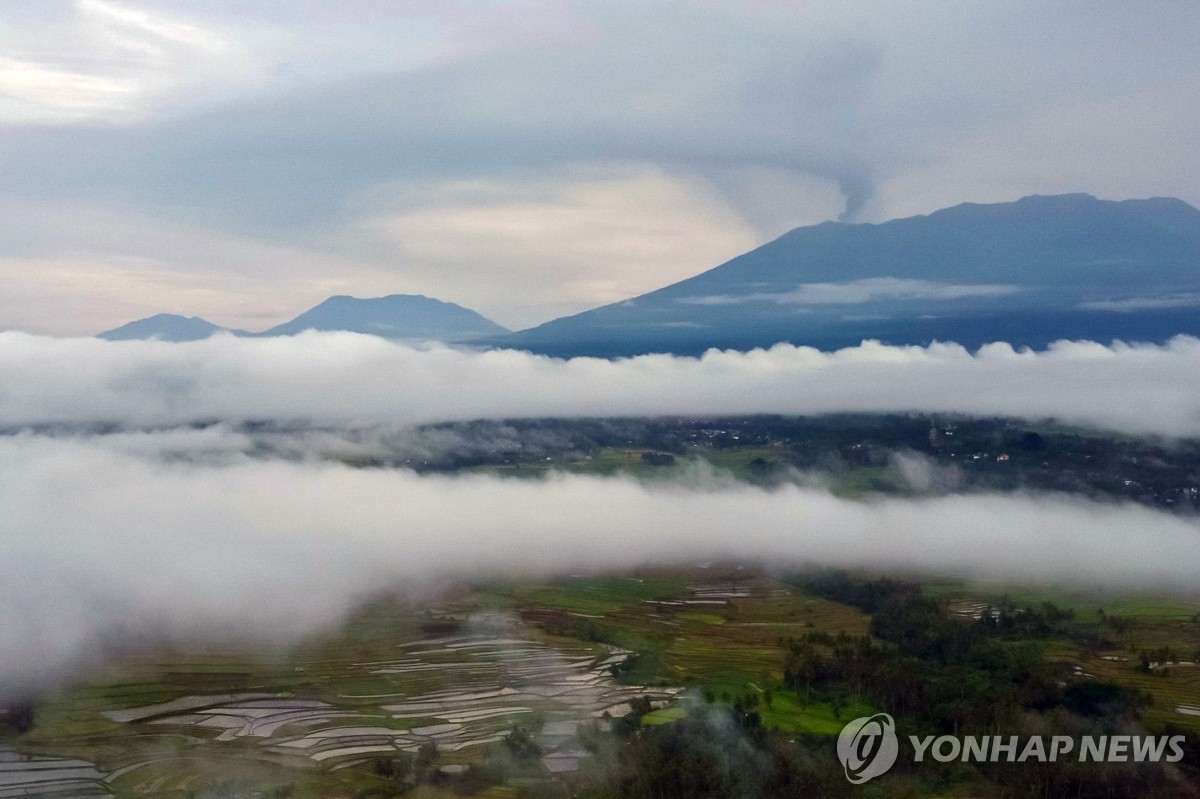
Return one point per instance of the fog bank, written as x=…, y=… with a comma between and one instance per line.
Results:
x=344, y=378
x=98, y=541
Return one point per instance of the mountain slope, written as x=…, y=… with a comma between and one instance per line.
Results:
x=1027, y=272
x=164, y=327
x=399, y=316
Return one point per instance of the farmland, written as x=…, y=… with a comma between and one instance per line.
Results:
x=505, y=686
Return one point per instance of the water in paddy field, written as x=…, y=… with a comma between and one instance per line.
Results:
x=458, y=691
x=49, y=777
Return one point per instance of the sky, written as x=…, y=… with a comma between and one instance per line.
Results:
x=242, y=161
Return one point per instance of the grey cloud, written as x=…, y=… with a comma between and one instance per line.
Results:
x=924, y=475
x=831, y=93
x=626, y=92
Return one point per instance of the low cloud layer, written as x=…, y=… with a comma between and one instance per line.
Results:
x=342, y=379
x=162, y=529
x=98, y=542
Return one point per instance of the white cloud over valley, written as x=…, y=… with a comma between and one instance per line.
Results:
x=345, y=378
x=100, y=544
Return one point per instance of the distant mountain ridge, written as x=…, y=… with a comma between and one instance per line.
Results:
x=166, y=327
x=412, y=317
x=397, y=316
x=1027, y=272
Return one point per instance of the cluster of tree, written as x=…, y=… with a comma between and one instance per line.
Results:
x=999, y=454
x=518, y=756
x=712, y=753
x=943, y=674
x=407, y=771
x=17, y=717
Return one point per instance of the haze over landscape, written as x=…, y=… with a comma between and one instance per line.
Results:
x=534, y=398
x=235, y=542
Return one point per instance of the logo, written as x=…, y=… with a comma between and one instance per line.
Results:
x=868, y=747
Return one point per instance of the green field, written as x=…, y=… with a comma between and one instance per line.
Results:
x=731, y=648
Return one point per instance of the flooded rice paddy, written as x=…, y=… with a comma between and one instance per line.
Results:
x=49, y=777
x=458, y=691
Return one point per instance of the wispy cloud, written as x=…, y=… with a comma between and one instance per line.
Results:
x=1144, y=303
x=873, y=289
x=31, y=91
x=112, y=62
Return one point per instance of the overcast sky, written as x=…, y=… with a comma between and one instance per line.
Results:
x=530, y=158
